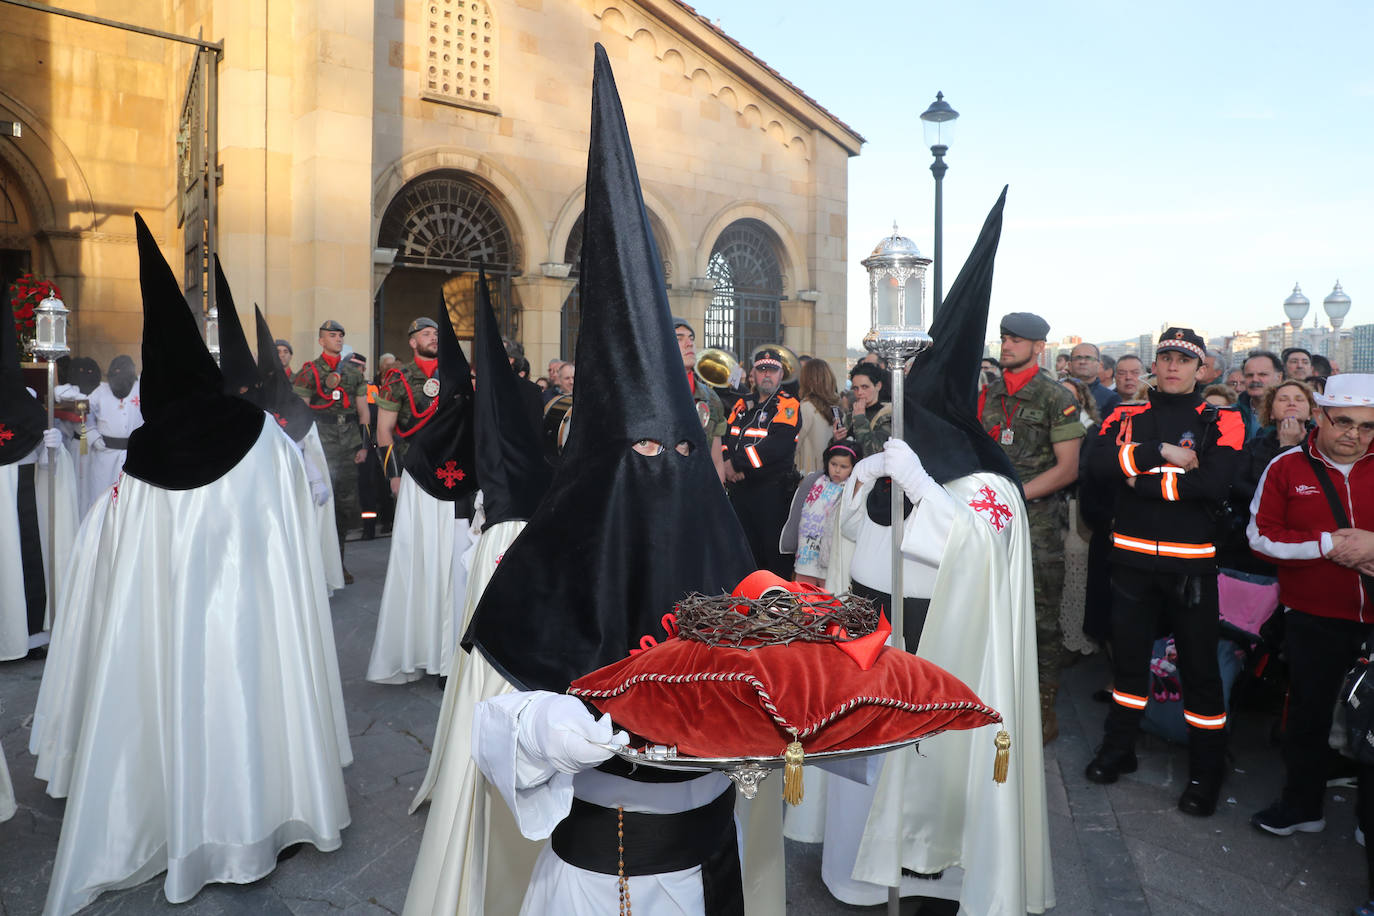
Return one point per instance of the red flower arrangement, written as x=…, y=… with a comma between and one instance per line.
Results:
x=25, y=294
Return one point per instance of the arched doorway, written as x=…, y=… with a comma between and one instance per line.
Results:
x=746, y=309
x=571, y=317
x=18, y=247
x=444, y=225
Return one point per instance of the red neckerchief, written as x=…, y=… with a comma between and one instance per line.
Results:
x=1014, y=381
x=330, y=360
x=427, y=366
x=692, y=381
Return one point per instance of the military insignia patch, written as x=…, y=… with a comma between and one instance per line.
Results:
x=789, y=413
x=332, y=380
x=704, y=413
x=431, y=388
x=1070, y=410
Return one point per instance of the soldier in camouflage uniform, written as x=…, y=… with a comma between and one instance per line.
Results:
x=1036, y=422
x=337, y=392
x=709, y=407
x=405, y=397
x=871, y=424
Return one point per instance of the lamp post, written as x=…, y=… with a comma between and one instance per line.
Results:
x=896, y=294
x=50, y=343
x=937, y=123
x=1295, y=307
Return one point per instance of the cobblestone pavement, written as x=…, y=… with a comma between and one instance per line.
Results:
x=1121, y=849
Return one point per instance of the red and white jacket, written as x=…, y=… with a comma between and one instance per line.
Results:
x=1291, y=525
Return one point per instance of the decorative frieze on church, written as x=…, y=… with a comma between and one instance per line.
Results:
x=460, y=53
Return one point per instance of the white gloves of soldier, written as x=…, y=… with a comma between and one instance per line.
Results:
x=52, y=438
x=558, y=728
x=899, y=462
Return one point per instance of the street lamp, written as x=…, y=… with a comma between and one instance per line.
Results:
x=212, y=332
x=937, y=122
x=1336, y=305
x=1295, y=307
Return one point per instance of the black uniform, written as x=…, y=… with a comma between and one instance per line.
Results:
x=761, y=442
x=1164, y=558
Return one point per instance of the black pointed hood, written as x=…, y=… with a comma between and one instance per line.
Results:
x=236, y=362
x=441, y=456
x=192, y=433
x=941, y=419
x=510, y=451
x=621, y=536
x=22, y=418
x=290, y=411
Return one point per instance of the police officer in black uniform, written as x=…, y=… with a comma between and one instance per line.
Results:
x=1172, y=460
x=759, y=444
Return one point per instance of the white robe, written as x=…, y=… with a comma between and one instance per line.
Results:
x=317, y=467
x=473, y=859
x=108, y=416
x=421, y=615
x=7, y=805
x=15, y=639
x=941, y=806
x=207, y=713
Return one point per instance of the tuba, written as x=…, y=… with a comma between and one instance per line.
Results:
x=791, y=365
x=716, y=366
x=557, y=420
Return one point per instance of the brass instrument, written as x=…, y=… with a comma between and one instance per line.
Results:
x=557, y=421
x=791, y=364
x=716, y=366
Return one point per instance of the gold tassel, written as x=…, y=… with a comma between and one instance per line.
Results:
x=1003, y=760
x=792, y=774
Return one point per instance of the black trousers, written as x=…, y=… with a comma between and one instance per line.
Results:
x=1144, y=604
x=762, y=508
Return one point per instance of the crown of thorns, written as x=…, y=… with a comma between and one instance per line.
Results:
x=775, y=619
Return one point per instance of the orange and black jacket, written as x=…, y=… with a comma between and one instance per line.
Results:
x=1167, y=520
x=761, y=441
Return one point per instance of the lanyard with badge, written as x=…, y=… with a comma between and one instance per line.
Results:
x=1008, y=435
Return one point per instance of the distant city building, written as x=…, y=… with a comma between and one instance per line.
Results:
x=1362, y=351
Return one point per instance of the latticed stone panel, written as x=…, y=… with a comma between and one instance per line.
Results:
x=460, y=51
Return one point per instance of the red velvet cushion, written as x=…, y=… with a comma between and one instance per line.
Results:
x=723, y=702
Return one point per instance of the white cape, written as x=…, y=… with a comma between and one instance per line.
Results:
x=7, y=805
x=473, y=859
x=15, y=639
x=313, y=452
x=419, y=622
x=941, y=805
x=195, y=676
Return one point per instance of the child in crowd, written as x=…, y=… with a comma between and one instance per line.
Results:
x=811, y=521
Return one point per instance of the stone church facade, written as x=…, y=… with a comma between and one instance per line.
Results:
x=373, y=153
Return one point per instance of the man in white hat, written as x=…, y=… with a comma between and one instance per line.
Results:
x=1303, y=519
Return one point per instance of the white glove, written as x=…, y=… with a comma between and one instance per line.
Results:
x=52, y=438
x=319, y=492
x=905, y=468
x=558, y=729
x=870, y=469
x=95, y=442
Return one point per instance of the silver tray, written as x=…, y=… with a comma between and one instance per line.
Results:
x=745, y=772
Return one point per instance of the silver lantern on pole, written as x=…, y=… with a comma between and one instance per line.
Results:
x=50, y=344
x=896, y=293
x=212, y=331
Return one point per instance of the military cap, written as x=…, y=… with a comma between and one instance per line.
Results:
x=281, y=342
x=683, y=323
x=419, y=324
x=1025, y=325
x=1184, y=340
x=768, y=359
x=331, y=325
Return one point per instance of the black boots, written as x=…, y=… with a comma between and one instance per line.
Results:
x=1109, y=764
x=1206, y=768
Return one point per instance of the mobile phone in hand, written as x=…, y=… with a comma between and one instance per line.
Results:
x=835, y=412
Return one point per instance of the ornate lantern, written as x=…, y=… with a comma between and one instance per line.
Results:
x=1296, y=306
x=1337, y=306
x=896, y=298
x=50, y=329
x=212, y=332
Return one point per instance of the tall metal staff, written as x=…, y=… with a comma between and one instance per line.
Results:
x=50, y=343
x=896, y=287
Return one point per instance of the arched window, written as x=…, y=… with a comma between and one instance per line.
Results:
x=460, y=52
x=571, y=319
x=444, y=225
x=746, y=309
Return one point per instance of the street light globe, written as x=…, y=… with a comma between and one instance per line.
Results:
x=937, y=122
x=1296, y=306
x=1336, y=305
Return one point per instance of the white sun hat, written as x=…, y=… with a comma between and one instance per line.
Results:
x=1349, y=389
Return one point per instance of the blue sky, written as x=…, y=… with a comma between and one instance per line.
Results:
x=1169, y=162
